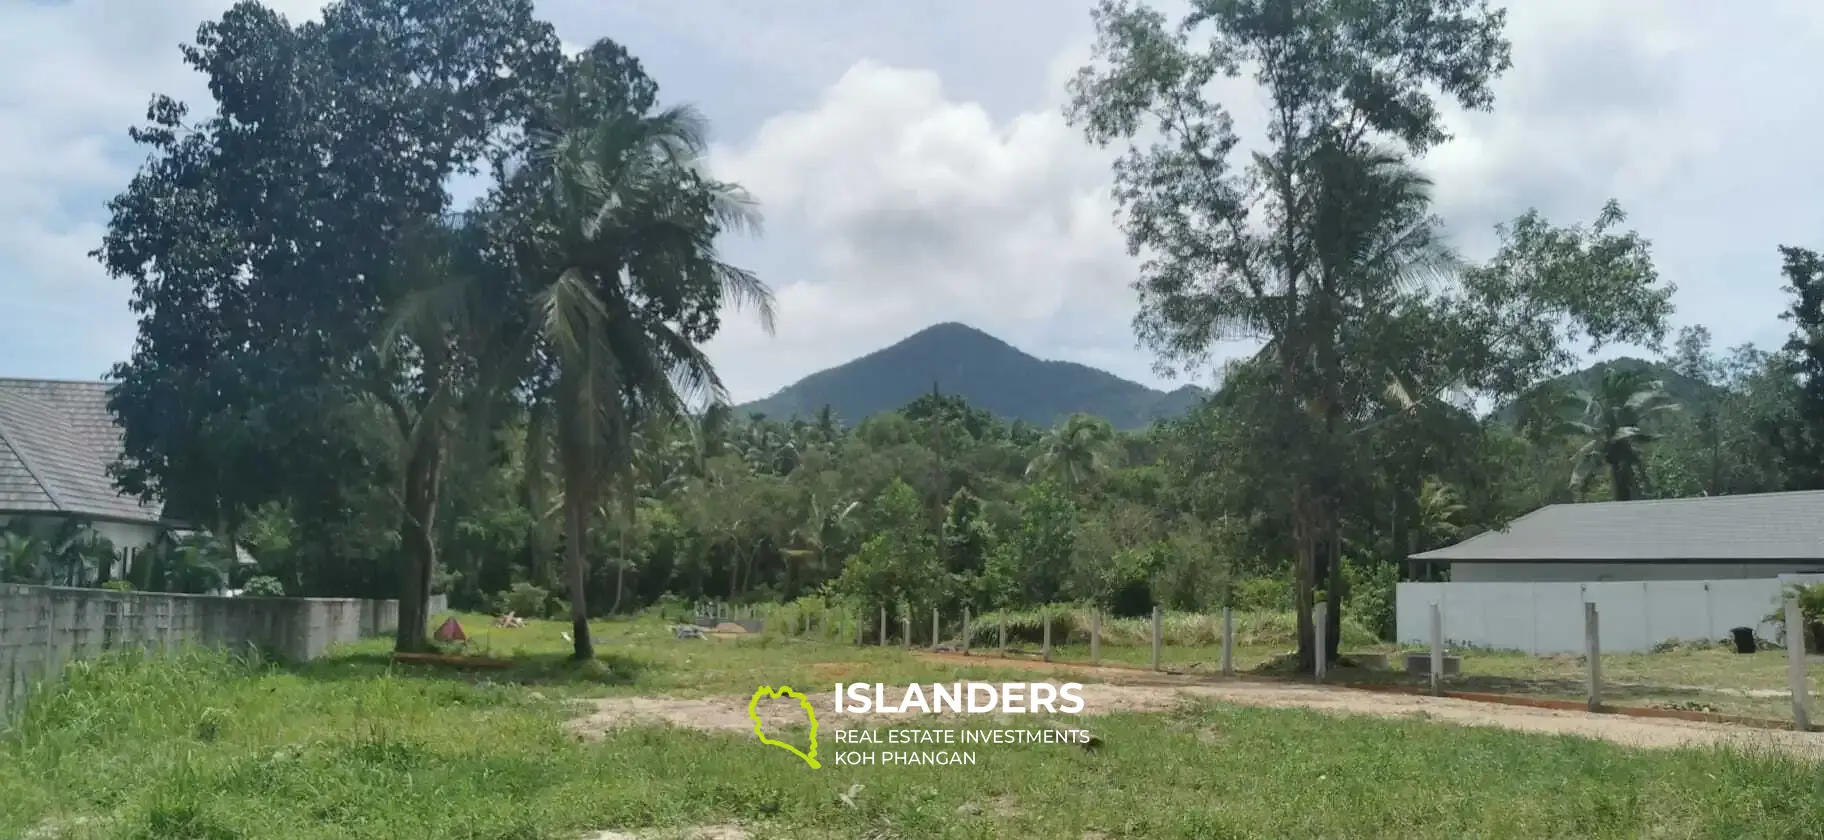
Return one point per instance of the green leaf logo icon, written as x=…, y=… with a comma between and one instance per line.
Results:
x=767, y=692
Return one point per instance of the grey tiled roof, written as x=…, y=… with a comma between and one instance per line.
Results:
x=56, y=442
x=1759, y=526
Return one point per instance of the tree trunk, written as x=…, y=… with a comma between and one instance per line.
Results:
x=1333, y=589
x=620, y=575
x=418, y=545
x=576, y=565
x=1306, y=576
x=1622, y=479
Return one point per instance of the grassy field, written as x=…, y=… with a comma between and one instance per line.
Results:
x=208, y=747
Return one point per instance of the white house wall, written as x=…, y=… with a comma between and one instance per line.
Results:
x=1580, y=572
x=1547, y=618
x=125, y=536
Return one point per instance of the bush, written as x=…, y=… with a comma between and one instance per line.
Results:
x=525, y=601
x=1371, y=595
x=1268, y=594
x=1070, y=625
x=264, y=586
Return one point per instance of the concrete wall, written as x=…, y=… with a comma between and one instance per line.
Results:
x=1601, y=572
x=1547, y=618
x=43, y=628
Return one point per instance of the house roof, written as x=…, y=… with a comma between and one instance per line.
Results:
x=57, y=439
x=1745, y=528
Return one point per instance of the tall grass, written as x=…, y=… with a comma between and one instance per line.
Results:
x=1071, y=625
x=211, y=746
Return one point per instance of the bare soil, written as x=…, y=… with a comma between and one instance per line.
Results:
x=703, y=832
x=1131, y=691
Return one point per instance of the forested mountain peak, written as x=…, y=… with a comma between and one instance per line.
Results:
x=958, y=359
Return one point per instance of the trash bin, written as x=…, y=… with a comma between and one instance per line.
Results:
x=1744, y=639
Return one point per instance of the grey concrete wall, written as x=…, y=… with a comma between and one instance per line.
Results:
x=43, y=628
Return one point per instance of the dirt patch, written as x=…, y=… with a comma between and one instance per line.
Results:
x=1003, y=807
x=729, y=714
x=701, y=832
x=1634, y=732
x=1143, y=692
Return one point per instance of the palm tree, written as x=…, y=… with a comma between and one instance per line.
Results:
x=822, y=530
x=625, y=223
x=1365, y=240
x=1074, y=453
x=1614, y=428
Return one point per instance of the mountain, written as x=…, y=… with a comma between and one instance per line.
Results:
x=990, y=373
x=1682, y=389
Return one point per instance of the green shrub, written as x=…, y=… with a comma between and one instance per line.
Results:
x=524, y=600
x=264, y=586
x=1371, y=589
x=1070, y=625
x=1263, y=594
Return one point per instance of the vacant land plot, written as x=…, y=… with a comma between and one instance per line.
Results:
x=1704, y=678
x=207, y=747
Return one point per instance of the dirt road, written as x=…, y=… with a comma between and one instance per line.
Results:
x=1132, y=691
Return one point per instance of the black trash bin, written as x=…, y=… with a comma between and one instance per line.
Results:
x=1744, y=639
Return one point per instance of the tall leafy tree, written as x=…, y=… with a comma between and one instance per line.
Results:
x=1232, y=253
x=256, y=238
x=450, y=347
x=1802, y=443
x=1320, y=247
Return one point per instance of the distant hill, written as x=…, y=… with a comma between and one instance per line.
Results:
x=1682, y=389
x=988, y=372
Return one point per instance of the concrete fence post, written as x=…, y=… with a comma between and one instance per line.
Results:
x=1795, y=663
x=1047, y=635
x=1592, y=652
x=905, y=627
x=1437, y=649
x=883, y=626
x=1319, y=621
x=966, y=631
x=1158, y=634
x=934, y=628
x=1003, y=635
x=1228, y=641
x=1095, y=638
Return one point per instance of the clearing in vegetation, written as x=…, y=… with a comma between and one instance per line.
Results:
x=207, y=746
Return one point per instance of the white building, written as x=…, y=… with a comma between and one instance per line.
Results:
x=57, y=439
x=1657, y=571
x=1753, y=536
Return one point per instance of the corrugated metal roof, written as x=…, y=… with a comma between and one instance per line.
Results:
x=57, y=439
x=1758, y=526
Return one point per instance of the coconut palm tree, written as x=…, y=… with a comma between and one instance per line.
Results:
x=624, y=224
x=1617, y=417
x=1074, y=453
x=447, y=350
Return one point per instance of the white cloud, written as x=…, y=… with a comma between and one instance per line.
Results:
x=73, y=78
x=915, y=168
x=920, y=209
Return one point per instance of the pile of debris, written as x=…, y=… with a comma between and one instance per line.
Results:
x=509, y=621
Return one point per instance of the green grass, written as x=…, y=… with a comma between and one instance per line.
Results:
x=204, y=746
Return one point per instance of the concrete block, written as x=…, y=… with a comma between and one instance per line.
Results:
x=1419, y=664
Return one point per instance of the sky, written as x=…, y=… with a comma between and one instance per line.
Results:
x=914, y=165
